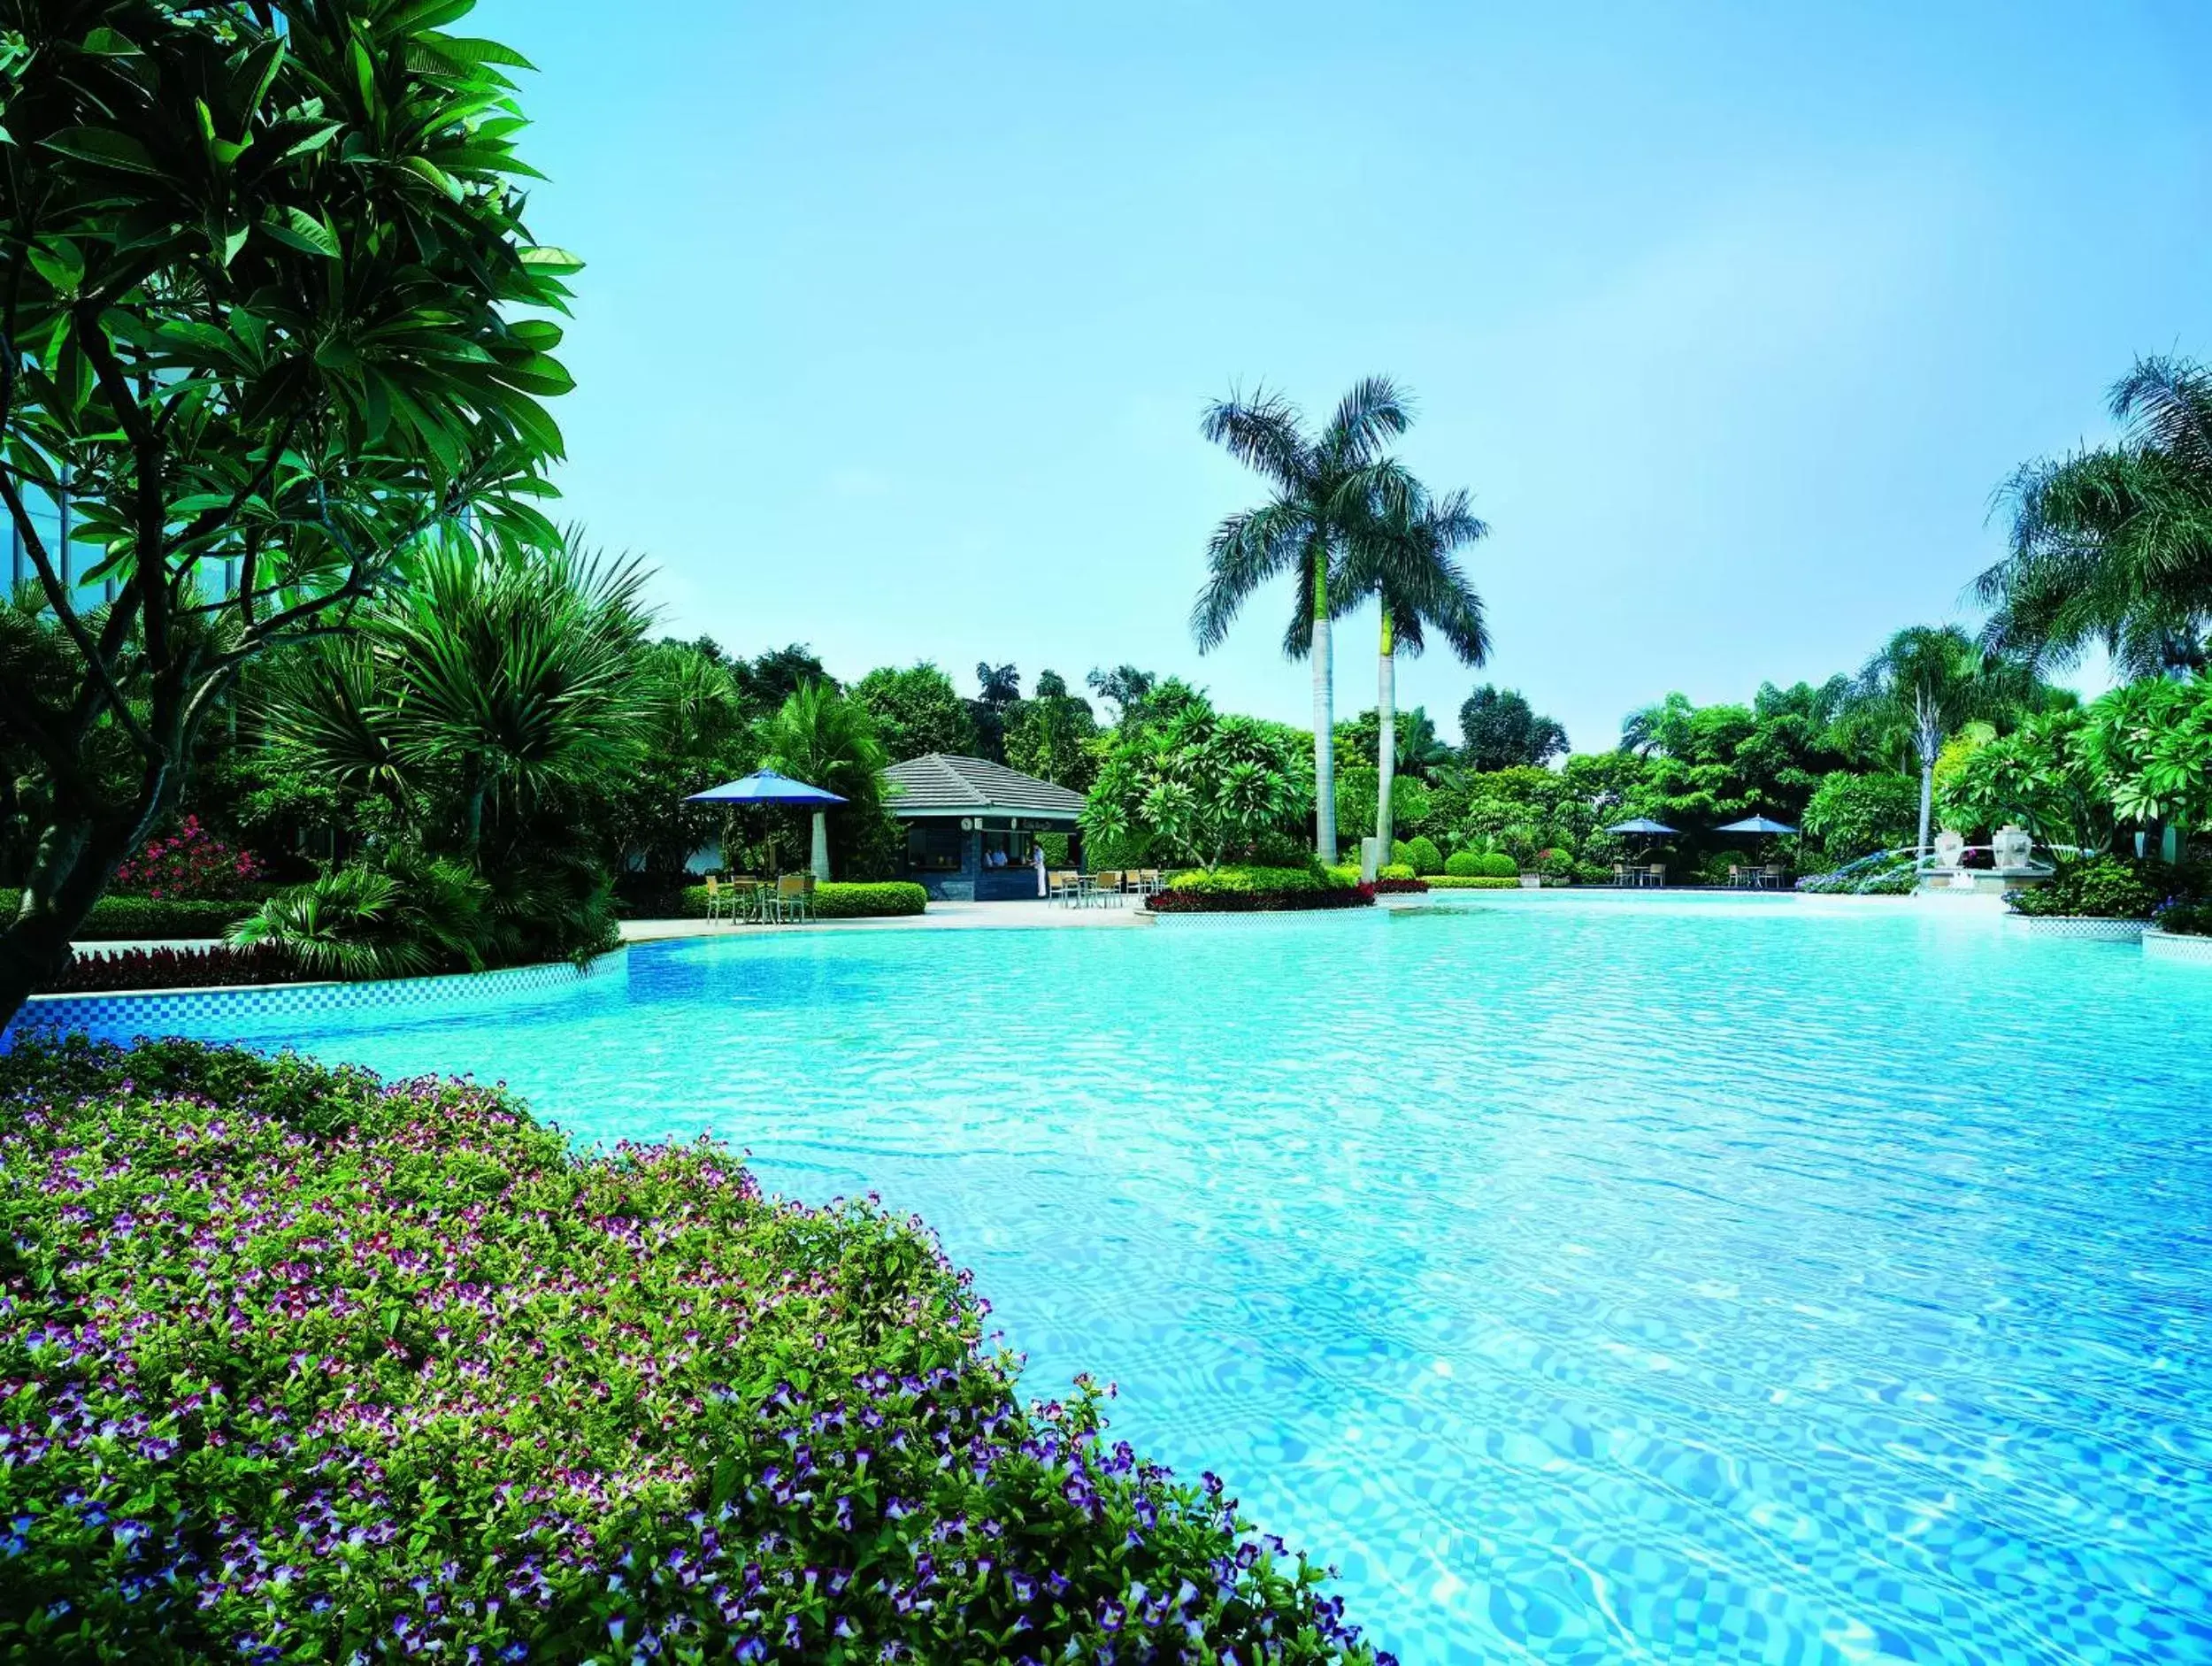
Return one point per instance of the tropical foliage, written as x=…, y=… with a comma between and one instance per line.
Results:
x=917, y=710
x=1499, y=731
x=1191, y=788
x=2113, y=546
x=262, y=287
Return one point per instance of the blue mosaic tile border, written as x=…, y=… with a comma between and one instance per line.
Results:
x=123, y=1018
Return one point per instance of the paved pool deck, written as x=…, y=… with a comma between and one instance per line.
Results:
x=941, y=916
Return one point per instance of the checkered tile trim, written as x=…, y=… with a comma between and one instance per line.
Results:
x=2177, y=946
x=122, y=1018
x=2068, y=926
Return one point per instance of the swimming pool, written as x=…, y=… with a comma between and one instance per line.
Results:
x=1590, y=1278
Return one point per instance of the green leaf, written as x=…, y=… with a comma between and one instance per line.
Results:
x=548, y=262
x=301, y=230
x=59, y=264
x=464, y=50
x=103, y=148
x=427, y=169
x=108, y=43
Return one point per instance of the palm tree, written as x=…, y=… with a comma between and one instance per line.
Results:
x=1325, y=487
x=820, y=737
x=491, y=680
x=2114, y=545
x=1404, y=561
x=1925, y=683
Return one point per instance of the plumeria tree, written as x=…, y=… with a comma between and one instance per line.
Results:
x=1197, y=787
x=269, y=312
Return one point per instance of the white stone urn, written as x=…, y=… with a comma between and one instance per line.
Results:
x=2010, y=846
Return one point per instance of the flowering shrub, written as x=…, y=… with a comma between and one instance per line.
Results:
x=2185, y=918
x=176, y=968
x=190, y=866
x=299, y=1365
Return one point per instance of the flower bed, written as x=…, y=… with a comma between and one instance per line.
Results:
x=838, y=901
x=1247, y=890
x=1393, y=885
x=300, y=1365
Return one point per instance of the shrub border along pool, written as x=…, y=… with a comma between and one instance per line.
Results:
x=122, y=1018
x=838, y=900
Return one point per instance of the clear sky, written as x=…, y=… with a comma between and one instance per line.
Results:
x=899, y=318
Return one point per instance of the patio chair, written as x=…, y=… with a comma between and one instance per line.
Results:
x=716, y=900
x=1064, y=884
x=1106, y=886
x=1773, y=875
x=1656, y=874
x=1620, y=873
x=1737, y=877
x=792, y=899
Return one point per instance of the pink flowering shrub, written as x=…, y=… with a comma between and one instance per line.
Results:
x=190, y=866
x=298, y=1365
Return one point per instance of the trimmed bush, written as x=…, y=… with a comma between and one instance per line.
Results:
x=303, y=1365
x=1249, y=890
x=836, y=901
x=1473, y=864
x=2184, y=919
x=1472, y=882
x=1423, y=856
x=2104, y=888
x=128, y=969
x=117, y=917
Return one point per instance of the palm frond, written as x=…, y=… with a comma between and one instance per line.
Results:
x=1265, y=433
x=1246, y=551
x=1373, y=411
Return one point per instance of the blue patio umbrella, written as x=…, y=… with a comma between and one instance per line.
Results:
x=1757, y=825
x=765, y=787
x=1640, y=825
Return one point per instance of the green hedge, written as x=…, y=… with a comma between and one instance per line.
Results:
x=115, y=917
x=1423, y=856
x=1396, y=871
x=1472, y=882
x=448, y=1389
x=1250, y=881
x=838, y=901
x=2104, y=888
x=1481, y=864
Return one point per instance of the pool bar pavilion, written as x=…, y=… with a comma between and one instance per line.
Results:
x=971, y=826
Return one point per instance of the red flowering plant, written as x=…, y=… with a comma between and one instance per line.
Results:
x=190, y=866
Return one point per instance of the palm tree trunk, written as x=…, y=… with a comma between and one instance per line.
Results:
x=1927, y=795
x=821, y=848
x=1323, y=714
x=1386, y=738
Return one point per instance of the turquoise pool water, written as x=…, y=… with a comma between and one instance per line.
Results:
x=1591, y=1278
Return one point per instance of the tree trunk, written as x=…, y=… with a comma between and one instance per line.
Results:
x=1323, y=715
x=821, y=848
x=1927, y=796
x=1386, y=738
x=78, y=854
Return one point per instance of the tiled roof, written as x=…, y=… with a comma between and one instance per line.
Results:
x=939, y=783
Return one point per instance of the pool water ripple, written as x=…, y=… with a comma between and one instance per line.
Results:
x=1590, y=1278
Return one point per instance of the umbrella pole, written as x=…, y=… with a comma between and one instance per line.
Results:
x=821, y=848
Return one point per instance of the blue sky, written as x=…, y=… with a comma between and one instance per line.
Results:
x=899, y=318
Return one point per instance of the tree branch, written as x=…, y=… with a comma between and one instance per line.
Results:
x=58, y=597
